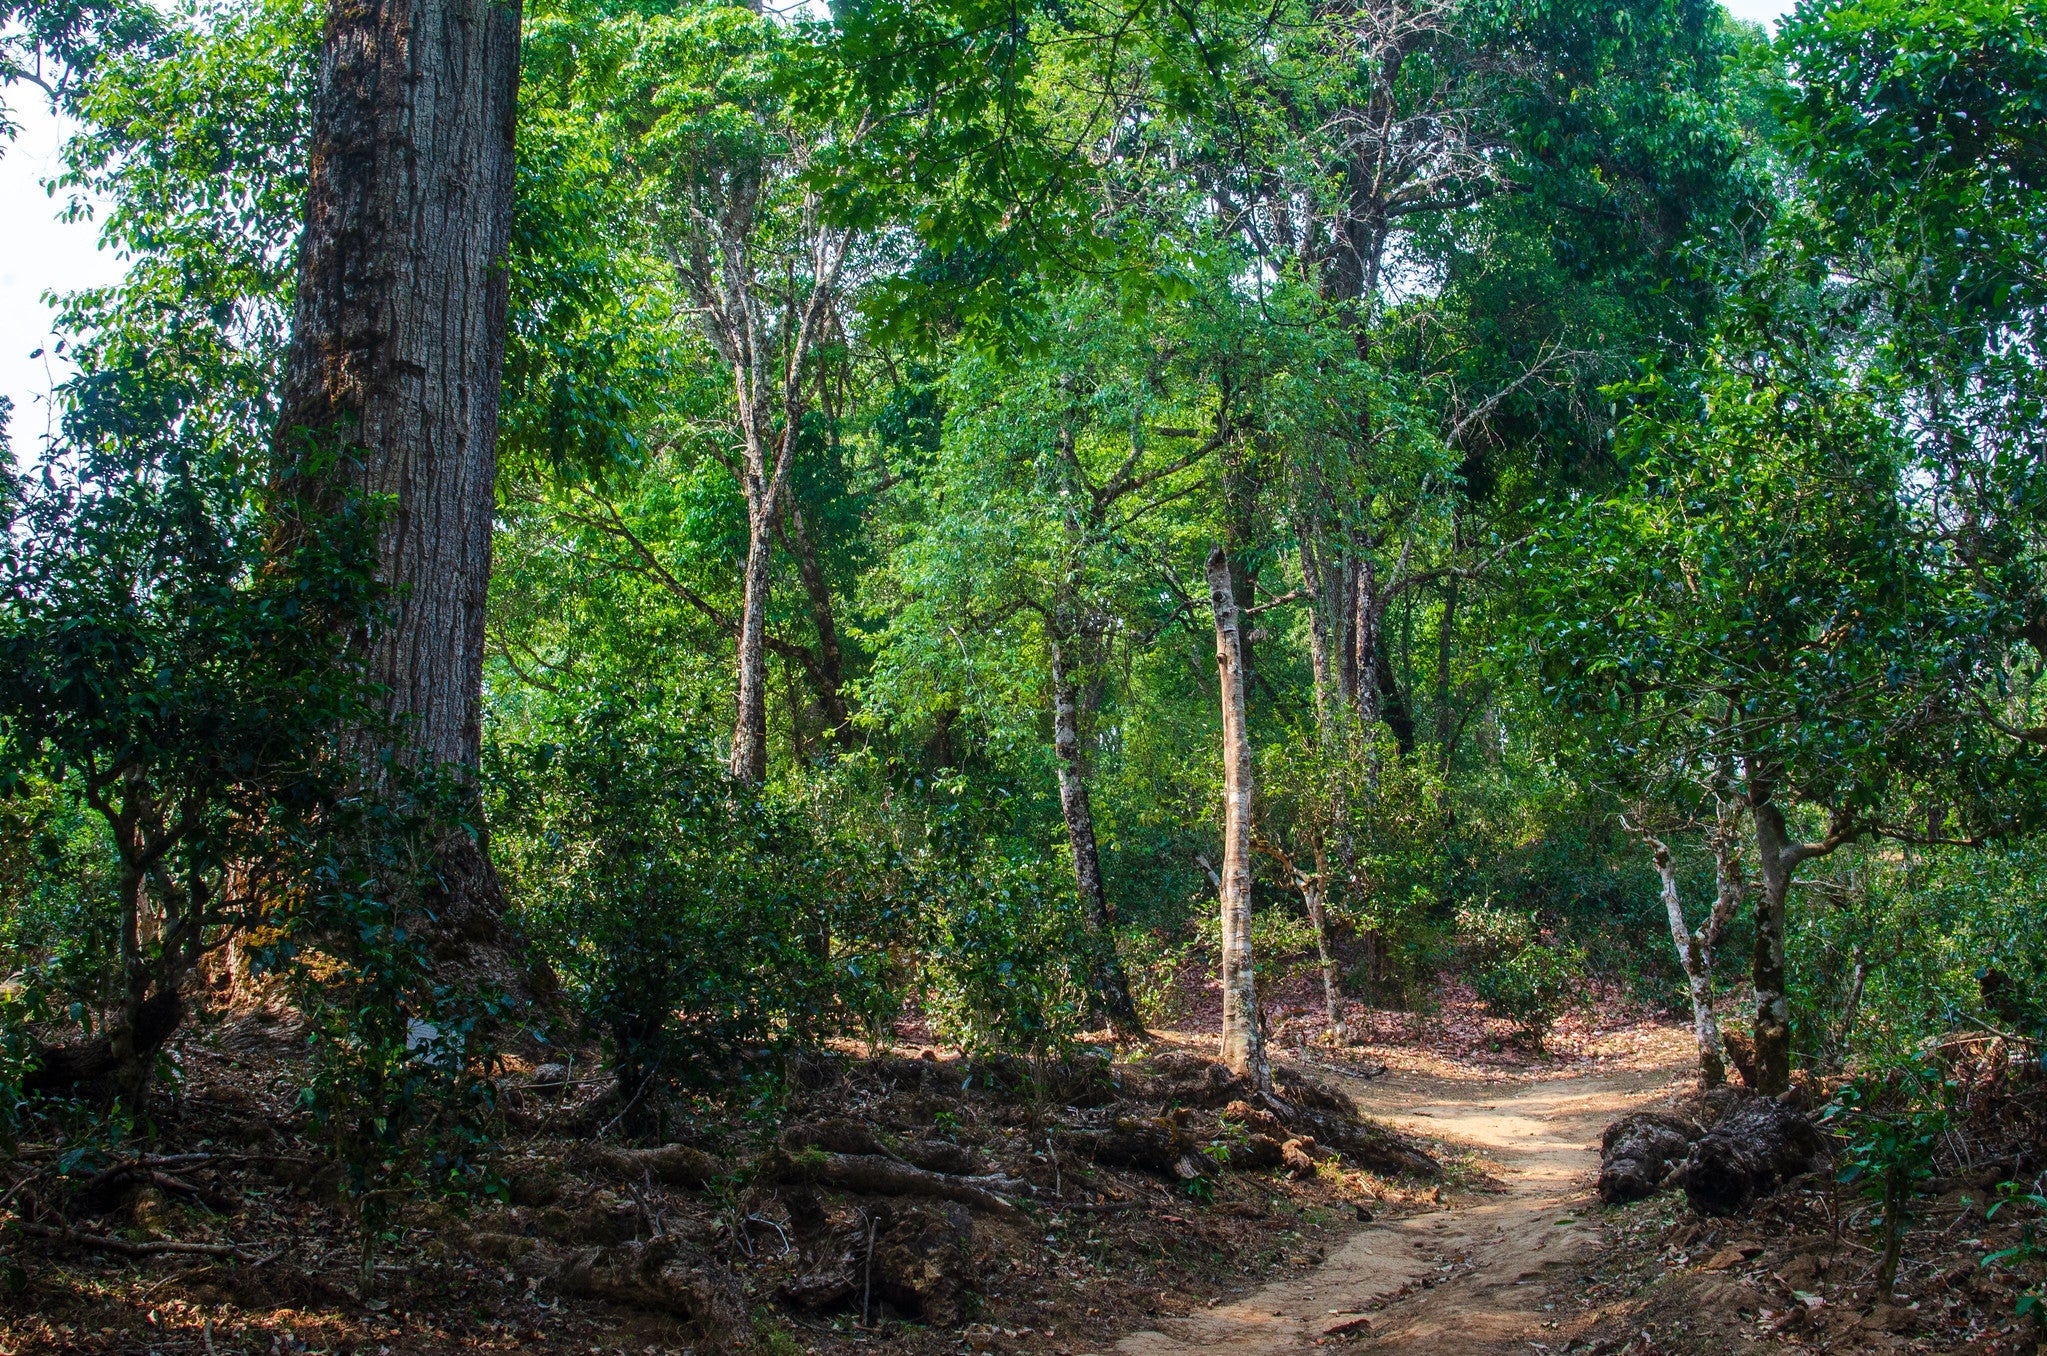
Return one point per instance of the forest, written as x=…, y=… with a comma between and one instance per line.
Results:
x=683, y=675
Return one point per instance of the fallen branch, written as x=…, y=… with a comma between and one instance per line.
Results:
x=127, y=1249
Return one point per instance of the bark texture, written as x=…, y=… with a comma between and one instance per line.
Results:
x=398, y=338
x=1109, y=985
x=1756, y=1147
x=1772, y=1032
x=1313, y=890
x=397, y=360
x=1243, y=1037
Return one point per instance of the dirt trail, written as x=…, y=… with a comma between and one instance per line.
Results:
x=1490, y=1263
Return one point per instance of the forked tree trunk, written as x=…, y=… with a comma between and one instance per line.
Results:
x=1109, y=986
x=1243, y=1038
x=1698, y=968
x=397, y=355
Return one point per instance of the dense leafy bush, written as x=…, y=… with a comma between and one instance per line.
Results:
x=683, y=910
x=1534, y=986
x=1006, y=954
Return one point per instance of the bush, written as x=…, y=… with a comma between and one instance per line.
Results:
x=1488, y=936
x=1534, y=987
x=692, y=918
x=1007, y=946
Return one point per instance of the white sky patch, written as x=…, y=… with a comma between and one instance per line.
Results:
x=1764, y=12
x=39, y=254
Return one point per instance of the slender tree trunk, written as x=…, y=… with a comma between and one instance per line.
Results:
x=1773, y=1003
x=830, y=668
x=1364, y=637
x=1730, y=884
x=1243, y=1039
x=1698, y=968
x=1110, y=986
x=750, y=721
x=1851, y=1009
x=1319, y=638
x=1446, y=723
x=1313, y=892
x=397, y=357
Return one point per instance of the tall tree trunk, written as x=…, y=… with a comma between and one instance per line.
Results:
x=1446, y=722
x=750, y=719
x=1314, y=891
x=830, y=669
x=1773, y=1003
x=1320, y=657
x=397, y=356
x=1698, y=968
x=1110, y=986
x=1243, y=1039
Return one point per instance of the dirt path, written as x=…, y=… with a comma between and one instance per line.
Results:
x=1473, y=1278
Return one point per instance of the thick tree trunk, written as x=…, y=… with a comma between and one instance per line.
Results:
x=396, y=362
x=1773, y=1003
x=1109, y=985
x=1243, y=1037
x=1698, y=968
x=398, y=338
x=750, y=722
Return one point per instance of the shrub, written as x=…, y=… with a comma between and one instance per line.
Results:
x=1533, y=987
x=688, y=915
x=1488, y=936
x=1006, y=945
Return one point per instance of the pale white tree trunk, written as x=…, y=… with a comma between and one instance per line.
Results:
x=1313, y=891
x=1243, y=1039
x=1698, y=968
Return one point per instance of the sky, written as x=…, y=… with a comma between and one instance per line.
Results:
x=40, y=255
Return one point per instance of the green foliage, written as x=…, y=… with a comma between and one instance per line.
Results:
x=687, y=915
x=1534, y=986
x=400, y=1077
x=2031, y=1247
x=1891, y=1122
x=1490, y=936
x=1006, y=954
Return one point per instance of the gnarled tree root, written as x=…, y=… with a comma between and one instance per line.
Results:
x=886, y=1177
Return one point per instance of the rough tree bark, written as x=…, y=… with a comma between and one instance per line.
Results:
x=1109, y=985
x=397, y=355
x=829, y=667
x=1779, y=858
x=1314, y=891
x=1243, y=1037
x=1773, y=1004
